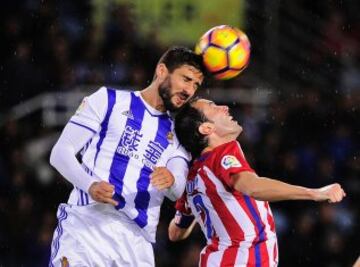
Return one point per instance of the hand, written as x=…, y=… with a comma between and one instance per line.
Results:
x=102, y=192
x=162, y=178
x=332, y=193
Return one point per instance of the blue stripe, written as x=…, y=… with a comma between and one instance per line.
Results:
x=104, y=125
x=87, y=198
x=121, y=161
x=82, y=197
x=259, y=227
x=86, y=195
x=257, y=255
x=81, y=125
x=56, y=242
x=142, y=198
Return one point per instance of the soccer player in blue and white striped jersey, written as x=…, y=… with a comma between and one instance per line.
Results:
x=131, y=160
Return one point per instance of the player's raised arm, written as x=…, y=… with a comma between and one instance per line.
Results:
x=266, y=189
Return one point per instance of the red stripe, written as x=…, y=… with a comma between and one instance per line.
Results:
x=264, y=254
x=251, y=258
x=214, y=246
x=275, y=251
x=231, y=226
x=204, y=258
x=270, y=218
x=229, y=256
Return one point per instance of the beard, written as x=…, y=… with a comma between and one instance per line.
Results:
x=165, y=94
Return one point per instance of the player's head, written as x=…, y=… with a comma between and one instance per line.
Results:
x=201, y=123
x=179, y=73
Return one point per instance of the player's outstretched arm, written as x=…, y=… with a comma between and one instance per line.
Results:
x=179, y=232
x=266, y=189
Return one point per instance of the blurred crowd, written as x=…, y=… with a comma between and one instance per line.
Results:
x=308, y=136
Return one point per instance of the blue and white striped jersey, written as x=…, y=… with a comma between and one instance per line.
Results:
x=130, y=138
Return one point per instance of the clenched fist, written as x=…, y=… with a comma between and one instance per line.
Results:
x=102, y=192
x=332, y=193
x=162, y=178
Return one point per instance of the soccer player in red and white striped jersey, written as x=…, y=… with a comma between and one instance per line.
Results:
x=226, y=196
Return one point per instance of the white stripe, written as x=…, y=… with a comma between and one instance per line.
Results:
x=133, y=170
x=271, y=243
x=233, y=206
x=109, y=145
x=264, y=214
x=242, y=255
x=224, y=238
x=215, y=258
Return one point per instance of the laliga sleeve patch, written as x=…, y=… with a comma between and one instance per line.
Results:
x=229, y=161
x=81, y=107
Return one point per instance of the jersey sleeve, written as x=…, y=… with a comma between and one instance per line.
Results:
x=180, y=152
x=92, y=110
x=231, y=160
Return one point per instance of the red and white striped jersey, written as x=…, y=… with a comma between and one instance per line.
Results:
x=233, y=223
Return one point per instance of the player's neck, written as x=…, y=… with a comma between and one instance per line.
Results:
x=218, y=141
x=151, y=95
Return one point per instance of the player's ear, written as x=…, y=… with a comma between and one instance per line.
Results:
x=161, y=72
x=206, y=128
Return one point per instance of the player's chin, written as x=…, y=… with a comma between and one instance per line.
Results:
x=178, y=102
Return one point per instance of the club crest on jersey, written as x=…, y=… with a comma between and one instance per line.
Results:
x=64, y=262
x=229, y=161
x=170, y=137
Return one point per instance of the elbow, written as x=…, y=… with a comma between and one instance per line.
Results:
x=58, y=153
x=53, y=156
x=173, y=237
x=174, y=233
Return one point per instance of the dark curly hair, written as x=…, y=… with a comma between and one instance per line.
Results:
x=187, y=122
x=176, y=57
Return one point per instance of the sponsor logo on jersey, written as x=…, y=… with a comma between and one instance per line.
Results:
x=229, y=161
x=128, y=114
x=192, y=186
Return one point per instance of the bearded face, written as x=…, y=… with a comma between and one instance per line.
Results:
x=165, y=94
x=179, y=86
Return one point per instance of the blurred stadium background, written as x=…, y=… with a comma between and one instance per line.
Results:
x=298, y=102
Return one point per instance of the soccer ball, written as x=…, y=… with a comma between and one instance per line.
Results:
x=225, y=51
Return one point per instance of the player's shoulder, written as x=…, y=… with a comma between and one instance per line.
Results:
x=226, y=148
x=227, y=152
x=102, y=95
x=111, y=90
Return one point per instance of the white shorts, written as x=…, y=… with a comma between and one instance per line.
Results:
x=95, y=235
